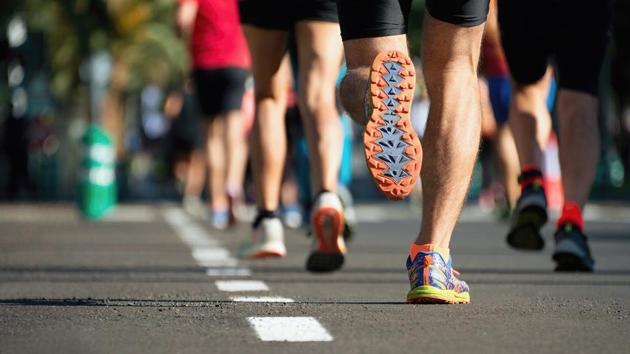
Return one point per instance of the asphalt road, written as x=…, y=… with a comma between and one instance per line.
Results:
x=145, y=281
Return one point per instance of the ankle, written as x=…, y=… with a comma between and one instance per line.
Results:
x=263, y=214
x=530, y=175
x=414, y=249
x=571, y=214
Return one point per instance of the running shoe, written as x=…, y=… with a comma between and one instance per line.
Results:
x=220, y=219
x=267, y=239
x=349, y=213
x=572, y=253
x=292, y=215
x=529, y=216
x=329, y=248
x=392, y=149
x=194, y=206
x=434, y=281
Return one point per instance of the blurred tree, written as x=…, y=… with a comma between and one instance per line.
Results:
x=139, y=35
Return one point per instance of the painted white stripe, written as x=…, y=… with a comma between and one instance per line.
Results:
x=241, y=285
x=219, y=263
x=210, y=254
x=261, y=299
x=228, y=272
x=289, y=329
x=131, y=213
x=205, y=250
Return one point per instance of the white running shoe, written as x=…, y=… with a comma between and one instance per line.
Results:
x=267, y=240
x=194, y=206
x=327, y=223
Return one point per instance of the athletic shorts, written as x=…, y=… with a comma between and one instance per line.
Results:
x=571, y=33
x=500, y=92
x=282, y=15
x=219, y=90
x=379, y=18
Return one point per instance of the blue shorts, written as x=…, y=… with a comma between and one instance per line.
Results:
x=500, y=89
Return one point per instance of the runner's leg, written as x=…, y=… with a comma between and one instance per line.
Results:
x=360, y=54
x=320, y=54
x=530, y=120
x=450, y=57
x=271, y=74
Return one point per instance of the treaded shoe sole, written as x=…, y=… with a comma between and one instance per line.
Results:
x=525, y=234
x=261, y=252
x=429, y=295
x=569, y=262
x=392, y=149
x=330, y=252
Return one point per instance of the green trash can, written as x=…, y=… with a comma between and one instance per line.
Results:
x=97, y=186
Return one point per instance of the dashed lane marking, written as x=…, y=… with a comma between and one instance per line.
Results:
x=202, y=254
x=241, y=285
x=289, y=329
x=228, y=272
x=261, y=299
x=218, y=263
x=204, y=248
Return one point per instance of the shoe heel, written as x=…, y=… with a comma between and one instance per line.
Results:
x=525, y=235
x=330, y=253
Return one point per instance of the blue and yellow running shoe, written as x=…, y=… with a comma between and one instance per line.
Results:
x=433, y=280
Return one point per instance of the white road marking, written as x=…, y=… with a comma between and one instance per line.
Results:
x=289, y=329
x=228, y=272
x=210, y=254
x=241, y=285
x=204, y=248
x=261, y=299
x=218, y=263
x=131, y=213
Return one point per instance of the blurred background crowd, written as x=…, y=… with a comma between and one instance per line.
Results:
x=121, y=65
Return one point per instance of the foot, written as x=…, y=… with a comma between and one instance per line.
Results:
x=267, y=239
x=292, y=216
x=392, y=148
x=529, y=216
x=572, y=253
x=222, y=219
x=349, y=213
x=194, y=206
x=327, y=222
x=434, y=281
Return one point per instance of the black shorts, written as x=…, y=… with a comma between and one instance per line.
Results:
x=379, y=18
x=282, y=15
x=219, y=90
x=573, y=34
x=186, y=133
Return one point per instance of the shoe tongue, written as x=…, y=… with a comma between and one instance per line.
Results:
x=414, y=249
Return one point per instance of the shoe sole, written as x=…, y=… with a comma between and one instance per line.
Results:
x=263, y=253
x=525, y=235
x=429, y=295
x=568, y=262
x=267, y=254
x=330, y=253
x=392, y=149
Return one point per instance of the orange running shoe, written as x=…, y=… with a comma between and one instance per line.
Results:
x=392, y=148
x=329, y=248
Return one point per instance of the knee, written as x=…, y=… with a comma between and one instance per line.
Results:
x=318, y=101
